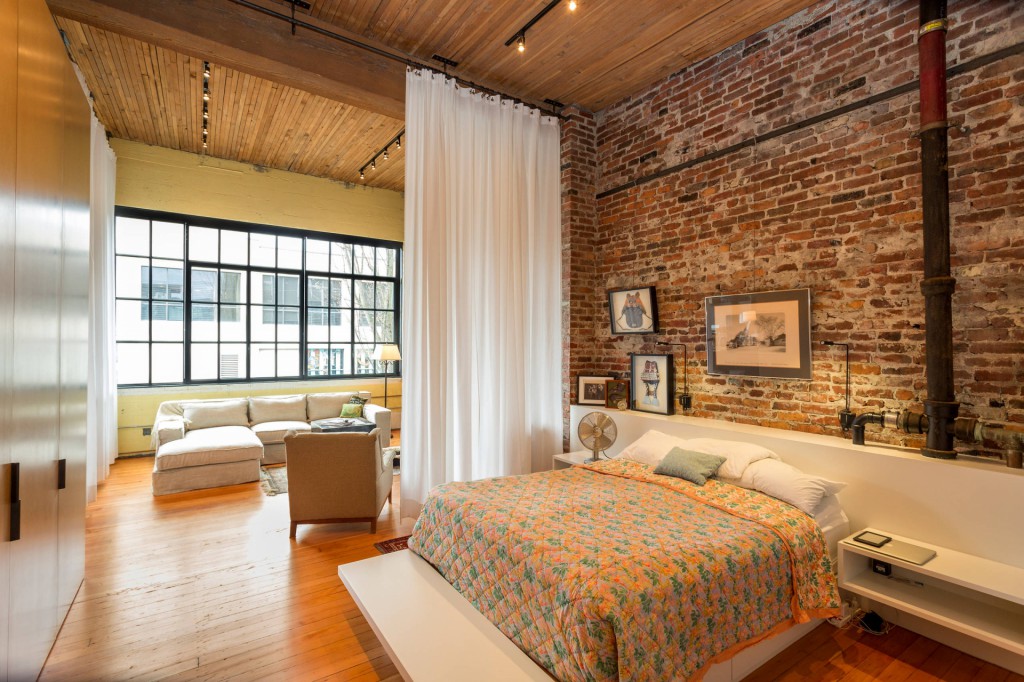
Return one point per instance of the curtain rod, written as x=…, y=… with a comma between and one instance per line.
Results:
x=400, y=58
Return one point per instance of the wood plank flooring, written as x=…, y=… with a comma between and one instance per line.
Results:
x=207, y=586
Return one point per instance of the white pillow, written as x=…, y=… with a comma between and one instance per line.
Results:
x=738, y=456
x=651, y=448
x=290, y=408
x=829, y=512
x=787, y=483
x=209, y=413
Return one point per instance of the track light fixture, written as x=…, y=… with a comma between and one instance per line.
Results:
x=383, y=154
x=206, y=105
x=519, y=37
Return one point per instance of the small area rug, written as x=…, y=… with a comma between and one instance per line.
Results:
x=274, y=480
x=393, y=545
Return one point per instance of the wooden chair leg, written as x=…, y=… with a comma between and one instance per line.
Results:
x=373, y=527
x=291, y=533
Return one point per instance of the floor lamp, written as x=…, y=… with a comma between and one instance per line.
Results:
x=386, y=353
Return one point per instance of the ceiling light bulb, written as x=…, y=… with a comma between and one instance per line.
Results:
x=385, y=154
x=398, y=144
x=204, y=145
x=522, y=43
x=373, y=165
x=206, y=69
x=206, y=95
x=572, y=5
x=361, y=176
x=206, y=115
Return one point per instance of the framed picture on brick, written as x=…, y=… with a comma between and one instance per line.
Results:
x=653, y=382
x=633, y=311
x=591, y=390
x=767, y=334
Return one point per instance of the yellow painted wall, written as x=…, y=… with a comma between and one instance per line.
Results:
x=162, y=179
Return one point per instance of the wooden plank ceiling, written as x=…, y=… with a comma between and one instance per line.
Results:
x=593, y=57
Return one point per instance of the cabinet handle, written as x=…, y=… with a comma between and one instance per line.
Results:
x=62, y=474
x=15, y=501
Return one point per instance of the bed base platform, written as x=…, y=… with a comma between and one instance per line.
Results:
x=431, y=632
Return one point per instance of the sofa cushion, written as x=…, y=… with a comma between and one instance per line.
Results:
x=326, y=405
x=214, y=445
x=205, y=414
x=290, y=408
x=273, y=432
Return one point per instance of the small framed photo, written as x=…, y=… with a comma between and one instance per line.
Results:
x=653, y=383
x=767, y=334
x=617, y=394
x=633, y=311
x=591, y=390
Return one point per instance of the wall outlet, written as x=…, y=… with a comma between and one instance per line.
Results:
x=848, y=612
x=147, y=430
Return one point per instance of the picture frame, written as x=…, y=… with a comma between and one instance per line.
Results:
x=590, y=390
x=652, y=383
x=763, y=335
x=633, y=310
x=617, y=394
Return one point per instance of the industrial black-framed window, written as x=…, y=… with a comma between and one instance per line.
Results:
x=201, y=300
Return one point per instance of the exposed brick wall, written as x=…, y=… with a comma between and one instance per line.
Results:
x=579, y=264
x=834, y=207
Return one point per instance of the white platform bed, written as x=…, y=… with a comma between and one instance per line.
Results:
x=432, y=632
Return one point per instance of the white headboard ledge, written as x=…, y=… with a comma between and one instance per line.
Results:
x=971, y=507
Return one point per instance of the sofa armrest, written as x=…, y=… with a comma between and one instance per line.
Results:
x=381, y=416
x=167, y=430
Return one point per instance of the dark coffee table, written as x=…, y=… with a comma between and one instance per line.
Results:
x=342, y=425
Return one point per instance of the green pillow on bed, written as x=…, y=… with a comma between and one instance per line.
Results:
x=696, y=467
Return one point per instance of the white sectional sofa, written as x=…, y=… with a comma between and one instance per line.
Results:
x=211, y=443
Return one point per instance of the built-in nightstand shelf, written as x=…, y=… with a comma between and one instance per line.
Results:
x=976, y=597
x=571, y=459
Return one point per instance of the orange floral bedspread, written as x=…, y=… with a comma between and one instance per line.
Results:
x=609, y=571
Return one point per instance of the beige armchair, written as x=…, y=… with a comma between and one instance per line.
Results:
x=337, y=478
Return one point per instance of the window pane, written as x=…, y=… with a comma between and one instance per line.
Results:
x=131, y=320
x=317, y=253
x=204, y=361
x=263, y=247
x=131, y=236
x=264, y=288
x=167, y=280
x=341, y=325
x=232, y=287
x=204, y=322
x=132, y=277
x=385, y=328
x=168, y=363
x=364, y=326
x=264, y=360
x=168, y=240
x=202, y=244
x=232, y=361
x=316, y=294
x=386, y=259
x=316, y=329
x=317, y=360
x=133, y=363
x=168, y=322
x=386, y=295
x=204, y=285
x=341, y=257
x=289, y=253
x=341, y=293
x=363, y=259
x=363, y=360
x=234, y=247
x=288, y=290
x=364, y=294
x=287, y=324
x=288, y=360
x=263, y=325
x=341, y=360
x=232, y=323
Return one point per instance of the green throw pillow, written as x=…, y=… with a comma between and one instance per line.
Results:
x=696, y=467
x=352, y=410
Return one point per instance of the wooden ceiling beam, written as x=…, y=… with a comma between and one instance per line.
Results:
x=228, y=34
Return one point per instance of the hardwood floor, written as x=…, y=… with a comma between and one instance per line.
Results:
x=207, y=586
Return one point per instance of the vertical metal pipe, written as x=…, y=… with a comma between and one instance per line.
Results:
x=940, y=405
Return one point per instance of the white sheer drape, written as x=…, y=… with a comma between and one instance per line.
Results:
x=102, y=396
x=481, y=321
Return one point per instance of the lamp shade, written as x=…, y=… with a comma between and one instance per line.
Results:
x=386, y=351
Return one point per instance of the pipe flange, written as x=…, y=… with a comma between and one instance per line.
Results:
x=936, y=25
x=938, y=285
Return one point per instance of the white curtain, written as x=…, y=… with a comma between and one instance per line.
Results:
x=481, y=321
x=102, y=396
